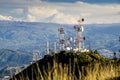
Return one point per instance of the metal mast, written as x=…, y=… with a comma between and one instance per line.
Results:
x=55, y=47
x=68, y=43
x=79, y=39
x=62, y=39
x=47, y=47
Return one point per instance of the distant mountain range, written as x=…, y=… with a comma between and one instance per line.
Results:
x=14, y=58
x=18, y=40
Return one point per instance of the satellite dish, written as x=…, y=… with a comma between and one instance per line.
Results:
x=82, y=19
x=82, y=29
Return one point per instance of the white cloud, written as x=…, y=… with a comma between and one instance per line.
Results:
x=63, y=18
x=6, y=17
x=67, y=13
x=46, y=14
x=42, y=12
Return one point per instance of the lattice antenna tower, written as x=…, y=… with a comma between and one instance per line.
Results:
x=62, y=39
x=79, y=39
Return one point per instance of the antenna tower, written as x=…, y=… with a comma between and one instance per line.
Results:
x=79, y=39
x=62, y=39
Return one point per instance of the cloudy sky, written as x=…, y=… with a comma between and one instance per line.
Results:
x=61, y=11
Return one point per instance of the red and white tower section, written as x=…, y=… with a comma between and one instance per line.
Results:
x=62, y=39
x=79, y=39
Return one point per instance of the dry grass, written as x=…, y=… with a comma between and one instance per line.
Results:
x=66, y=72
x=68, y=66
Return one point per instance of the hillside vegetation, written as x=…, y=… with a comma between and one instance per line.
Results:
x=72, y=66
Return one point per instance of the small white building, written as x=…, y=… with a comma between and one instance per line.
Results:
x=6, y=78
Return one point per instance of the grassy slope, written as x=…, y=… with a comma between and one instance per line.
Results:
x=71, y=66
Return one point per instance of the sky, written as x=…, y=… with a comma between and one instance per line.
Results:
x=61, y=11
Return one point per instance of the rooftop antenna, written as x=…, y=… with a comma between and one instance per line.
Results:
x=62, y=39
x=79, y=39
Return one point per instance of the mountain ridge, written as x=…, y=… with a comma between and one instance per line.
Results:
x=25, y=37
